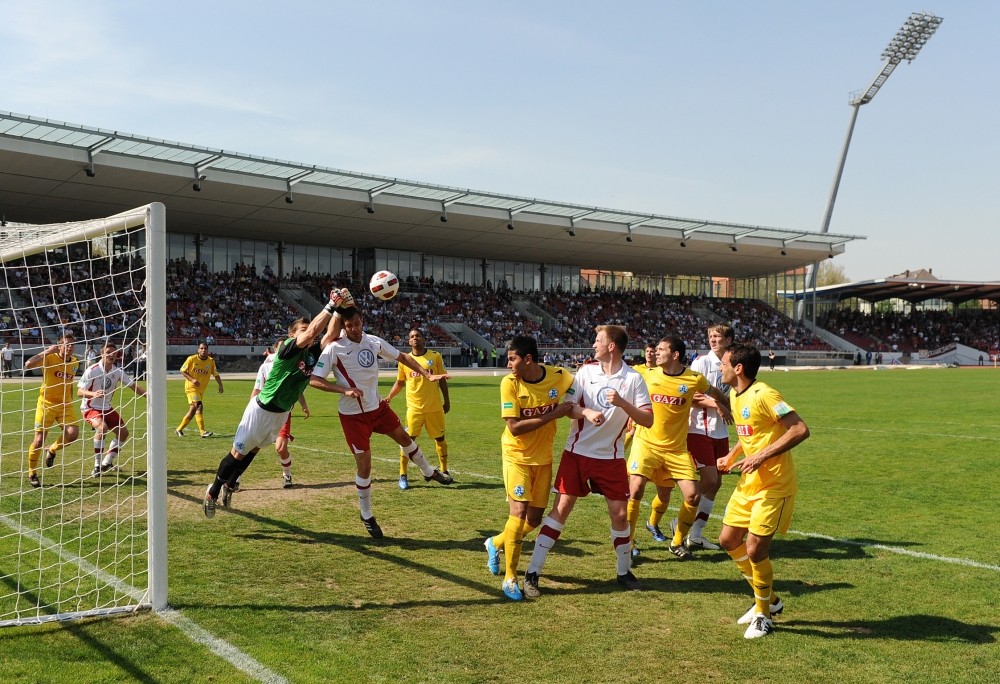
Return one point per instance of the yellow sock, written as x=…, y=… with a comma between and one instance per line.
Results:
x=200, y=419
x=184, y=423
x=499, y=539
x=442, y=451
x=659, y=508
x=739, y=556
x=763, y=581
x=513, y=533
x=33, y=454
x=685, y=518
x=56, y=445
x=403, y=462
x=633, y=516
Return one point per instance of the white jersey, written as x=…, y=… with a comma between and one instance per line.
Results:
x=355, y=364
x=262, y=373
x=707, y=421
x=96, y=378
x=589, y=390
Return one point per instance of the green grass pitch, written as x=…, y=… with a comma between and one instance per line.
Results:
x=890, y=573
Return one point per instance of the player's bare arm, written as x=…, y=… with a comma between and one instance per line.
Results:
x=577, y=412
x=410, y=363
x=39, y=358
x=520, y=426
x=643, y=417
x=325, y=385
x=396, y=388
x=445, y=401
x=796, y=433
x=725, y=463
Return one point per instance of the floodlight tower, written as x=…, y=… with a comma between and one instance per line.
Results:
x=907, y=42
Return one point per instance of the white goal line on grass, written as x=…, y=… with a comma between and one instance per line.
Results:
x=237, y=658
x=882, y=547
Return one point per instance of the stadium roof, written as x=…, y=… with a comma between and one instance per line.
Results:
x=911, y=286
x=53, y=172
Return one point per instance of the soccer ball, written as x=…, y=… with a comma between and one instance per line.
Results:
x=384, y=285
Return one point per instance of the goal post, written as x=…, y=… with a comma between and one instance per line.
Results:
x=74, y=541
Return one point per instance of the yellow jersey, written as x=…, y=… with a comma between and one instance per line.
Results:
x=203, y=370
x=757, y=412
x=58, y=380
x=520, y=399
x=671, y=396
x=422, y=395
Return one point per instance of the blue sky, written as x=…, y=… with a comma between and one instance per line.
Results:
x=730, y=111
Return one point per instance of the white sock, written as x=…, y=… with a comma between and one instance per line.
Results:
x=364, y=485
x=623, y=550
x=543, y=542
x=417, y=456
x=705, y=507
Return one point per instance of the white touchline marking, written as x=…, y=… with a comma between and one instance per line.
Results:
x=849, y=542
x=237, y=658
x=901, y=551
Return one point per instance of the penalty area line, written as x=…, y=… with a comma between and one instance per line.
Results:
x=235, y=657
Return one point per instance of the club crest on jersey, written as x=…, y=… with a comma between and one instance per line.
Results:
x=745, y=412
x=553, y=393
x=683, y=389
x=519, y=490
x=602, y=397
x=366, y=358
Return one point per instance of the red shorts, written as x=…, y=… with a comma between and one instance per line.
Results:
x=705, y=450
x=358, y=428
x=580, y=475
x=109, y=418
x=286, y=429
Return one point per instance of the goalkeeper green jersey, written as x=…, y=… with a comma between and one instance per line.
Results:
x=289, y=376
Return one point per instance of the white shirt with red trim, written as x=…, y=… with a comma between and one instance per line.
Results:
x=96, y=378
x=590, y=388
x=355, y=364
x=708, y=421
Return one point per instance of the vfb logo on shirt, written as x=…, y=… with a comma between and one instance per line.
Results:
x=366, y=358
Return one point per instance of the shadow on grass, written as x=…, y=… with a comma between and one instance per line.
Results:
x=78, y=628
x=819, y=549
x=902, y=627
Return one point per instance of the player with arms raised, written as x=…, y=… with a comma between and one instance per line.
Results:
x=55, y=402
x=267, y=411
x=285, y=434
x=351, y=355
x=764, y=499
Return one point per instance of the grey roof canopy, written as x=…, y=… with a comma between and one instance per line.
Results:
x=52, y=171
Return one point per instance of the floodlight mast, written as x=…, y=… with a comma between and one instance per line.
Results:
x=906, y=44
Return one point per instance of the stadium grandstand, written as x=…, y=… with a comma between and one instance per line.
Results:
x=252, y=242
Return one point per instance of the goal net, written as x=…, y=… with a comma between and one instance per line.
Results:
x=82, y=528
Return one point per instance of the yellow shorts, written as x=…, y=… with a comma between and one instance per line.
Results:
x=660, y=465
x=761, y=516
x=529, y=483
x=47, y=415
x=432, y=420
x=194, y=397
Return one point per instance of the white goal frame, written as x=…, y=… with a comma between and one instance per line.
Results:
x=23, y=240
